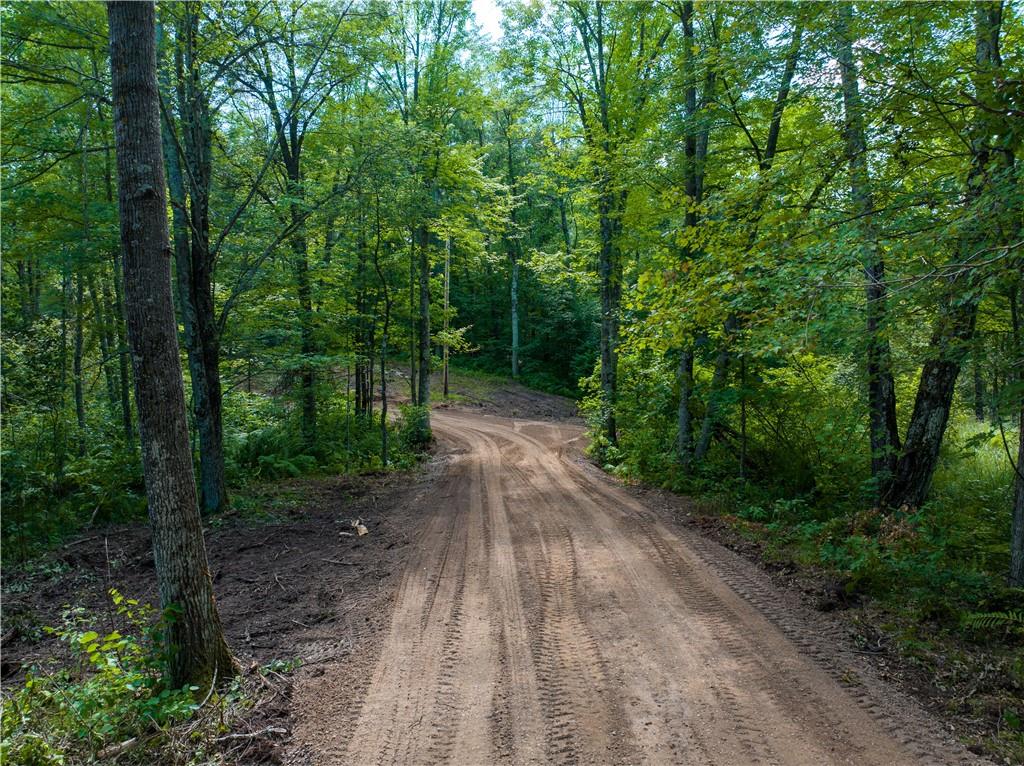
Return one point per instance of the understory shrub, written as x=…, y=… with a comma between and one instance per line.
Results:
x=111, y=691
x=44, y=501
x=414, y=427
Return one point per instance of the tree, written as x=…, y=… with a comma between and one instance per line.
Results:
x=189, y=173
x=602, y=59
x=883, y=433
x=986, y=195
x=198, y=651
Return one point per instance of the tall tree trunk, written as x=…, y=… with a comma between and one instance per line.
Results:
x=116, y=306
x=25, y=291
x=198, y=652
x=123, y=370
x=1017, y=527
x=307, y=344
x=80, y=291
x=77, y=365
x=203, y=344
x=607, y=270
x=694, y=152
x=563, y=217
x=447, y=296
x=106, y=345
x=883, y=429
x=413, y=314
x=360, y=339
x=1017, y=532
x=383, y=345
x=514, y=298
x=514, y=249
x=684, y=434
x=371, y=349
x=707, y=428
x=979, y=393
x=993, y=399
x=766, y=159
x=954, y=328
x=423, y=322
x=59, y=440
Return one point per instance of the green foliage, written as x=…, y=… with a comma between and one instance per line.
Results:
x=112, y=691
x=274, y=452
x=1009, y=622
x=44, y=502
x=414, y=427
x=346, y=443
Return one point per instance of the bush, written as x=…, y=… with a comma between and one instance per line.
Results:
x=414, y=427
x=274, y=452
x=43, y=505
x=114, y=691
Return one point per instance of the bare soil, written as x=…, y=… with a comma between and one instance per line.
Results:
x=512, y=604
x=545, y=615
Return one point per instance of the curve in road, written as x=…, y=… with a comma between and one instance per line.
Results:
x=548, y=617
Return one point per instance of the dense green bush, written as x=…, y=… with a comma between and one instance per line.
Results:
x=414, y=427
x=346, y=442
x=45, y=499
x=50, y=491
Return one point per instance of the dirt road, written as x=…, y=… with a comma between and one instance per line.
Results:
x=548, y=617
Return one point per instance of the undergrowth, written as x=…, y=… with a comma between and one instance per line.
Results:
x=49, y=497
x=932, y=579
x=106, y=697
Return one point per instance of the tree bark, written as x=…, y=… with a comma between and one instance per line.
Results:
x=106, y=345
x=207, y=396
x=198, y=652
x=514, y=299
x=1017, y=527
x=413, y=324
x=383, y=344
x=1016, y=578
x=513, y=248
x=306, y=340
x=954, y=328
x=77, y=363
x=1017, y=533
x=608, y=268
x=695, y=144
x=190, y=193
x=447, y=298
x=711, y=414
x=123, y=367
x=883, y=429
x=979, y=393
x=684, y=421
x=423, y=322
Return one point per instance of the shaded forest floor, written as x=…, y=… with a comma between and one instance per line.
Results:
x=298, y=587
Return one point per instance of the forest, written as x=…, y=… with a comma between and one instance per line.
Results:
x=774, y=251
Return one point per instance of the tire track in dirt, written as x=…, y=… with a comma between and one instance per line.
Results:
x=743, y=741
x=547, y=617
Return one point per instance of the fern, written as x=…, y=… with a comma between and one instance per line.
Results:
x=1011, y=621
